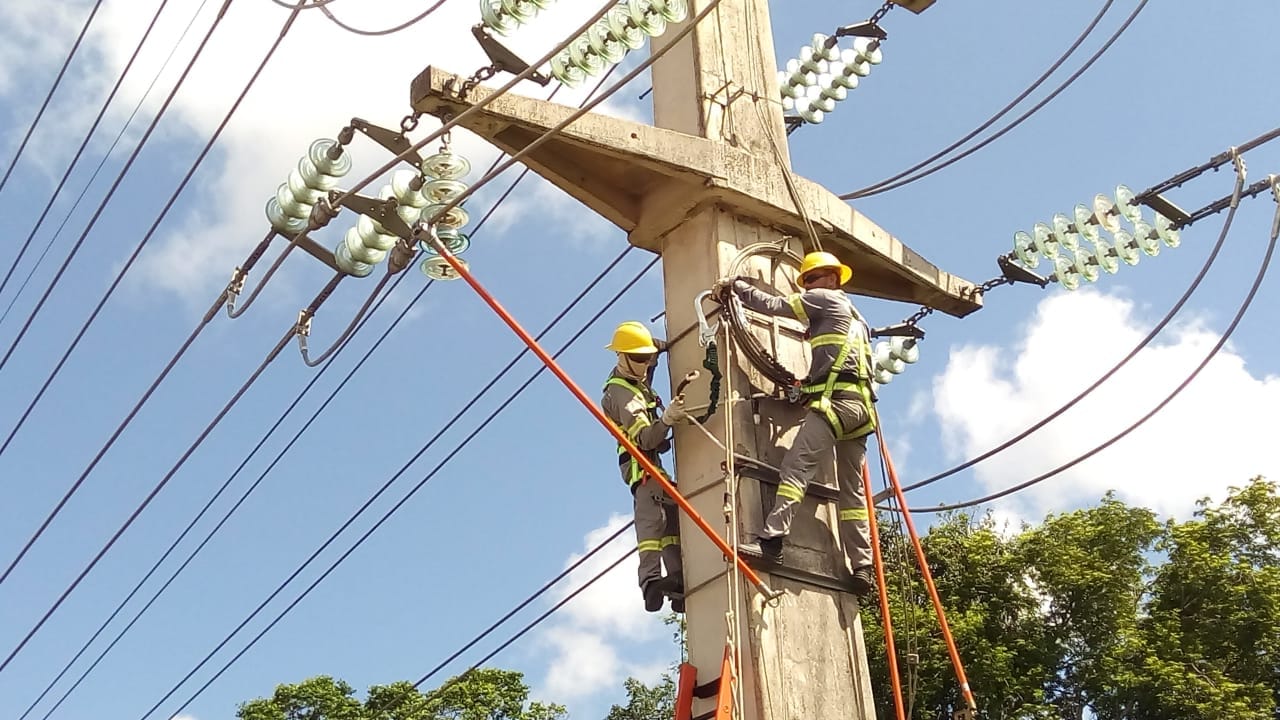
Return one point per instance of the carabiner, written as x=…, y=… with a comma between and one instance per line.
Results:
x=706, y=331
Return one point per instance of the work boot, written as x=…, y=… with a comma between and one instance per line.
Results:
x=677, y=603
x=767, y=550
x=656, y=591
x=864, y=581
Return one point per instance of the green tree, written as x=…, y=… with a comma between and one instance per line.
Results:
x=644, y=702
x=485, y=694
x=1103, y=612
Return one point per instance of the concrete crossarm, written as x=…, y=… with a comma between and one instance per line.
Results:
x=648, y=180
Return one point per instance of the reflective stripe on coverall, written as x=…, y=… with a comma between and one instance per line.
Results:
x=634, y=408
x=839, y=415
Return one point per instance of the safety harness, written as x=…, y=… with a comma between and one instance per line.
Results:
x=635, y=474
x=849, y=342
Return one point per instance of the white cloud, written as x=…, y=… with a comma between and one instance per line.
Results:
x=320, y=77
x=1215, y=434
x=590, y=642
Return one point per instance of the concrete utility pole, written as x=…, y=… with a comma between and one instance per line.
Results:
x=708, y=180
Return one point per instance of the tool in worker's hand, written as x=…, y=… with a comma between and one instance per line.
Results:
x=688, y=378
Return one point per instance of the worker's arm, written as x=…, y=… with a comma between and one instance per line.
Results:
x=795, y=306
x=630, y=414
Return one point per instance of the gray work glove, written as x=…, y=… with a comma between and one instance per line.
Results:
x=719, y=286
x=675, y=412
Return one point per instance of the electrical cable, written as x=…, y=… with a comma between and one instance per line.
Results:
x=363, y=318
x=532, y=624
x=1226, y=335
x=262, y=441
x=529, y=599
x=88, y=136
x=412, y=491
x=1142, y=344
x=80, y=480
x=133, y=156
x=375, y=33
x=111, y=290
x=56, y=82
x=1003, y=111
x=1016, y=122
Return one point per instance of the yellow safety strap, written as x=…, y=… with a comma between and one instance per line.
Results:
x=634, y=472
x=669, y=540
x=791, y=492
x=848, y=342
x=654, y=545
x=854, y=514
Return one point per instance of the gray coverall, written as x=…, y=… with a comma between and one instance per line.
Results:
x=633, y=406
x=839, y=411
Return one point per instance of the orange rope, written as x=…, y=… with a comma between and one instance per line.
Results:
x=599, y=415
x=928, y=576
x=878, y=561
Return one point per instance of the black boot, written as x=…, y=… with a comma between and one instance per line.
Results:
x=767, y=550
x=864, y=581
x=656, y=591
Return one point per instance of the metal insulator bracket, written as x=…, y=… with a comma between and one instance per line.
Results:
x=393, y=141
x=303, y=328
x=382, y=211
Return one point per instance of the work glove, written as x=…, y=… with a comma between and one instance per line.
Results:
x=719, y=286
x=675, y=412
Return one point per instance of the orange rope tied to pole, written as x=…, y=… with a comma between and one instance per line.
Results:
x=877, y=560
x=925, y=573
x=649, y=468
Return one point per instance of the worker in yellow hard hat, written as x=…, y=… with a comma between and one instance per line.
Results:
x=841, y=415
x=631, y=403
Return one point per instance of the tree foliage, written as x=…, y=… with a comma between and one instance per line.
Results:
x=485, y=694
x=1101, y=613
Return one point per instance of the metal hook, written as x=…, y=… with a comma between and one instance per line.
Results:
x=706, y=331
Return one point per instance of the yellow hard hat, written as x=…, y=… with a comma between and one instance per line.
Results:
x=817, y=260
x=632, y=337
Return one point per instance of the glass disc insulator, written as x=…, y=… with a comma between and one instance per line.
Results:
x=1126, y=247
x=495, y=19
x=1171, y=236
x=437, y=268
x=1066, y=234
x=301, y=191
x=582, y=56
x=1107, y=258
x=348, y=265
x=443, y=191
x=1045, y=241
x=455, y=217
x=620, y=24
x=1127, y=203
x=1105, y=212
x=568, y=75
x=904, y=352
x=446, y=166
x=868, y=50
x=673, y=11
x=373, y=235
x=522, y=10
x=290, y=205
x=313, y=178
x=402, y=182
x=1065, y=273
x=281, y=222
x=1147, y=238
x=1024, y=247
x=358, y=251
x=318, y=153
x=646, y=17
x=1084, y=223
x=604, y=44
x=1085, y=264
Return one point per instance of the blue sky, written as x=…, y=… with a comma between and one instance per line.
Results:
x=539, y=484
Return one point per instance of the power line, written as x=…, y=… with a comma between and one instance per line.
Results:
x=120, y=429
x=56, y=82
x=262, y=441
x=85, y=143
x=1003, y=111
x=116, y=184
x=1142, y=344
x=111, y=290
x=412, y=491
x=1226, y=335
x=1018, y=121
x=388, y=31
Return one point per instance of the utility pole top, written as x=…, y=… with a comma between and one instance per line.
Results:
x=648, y=180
